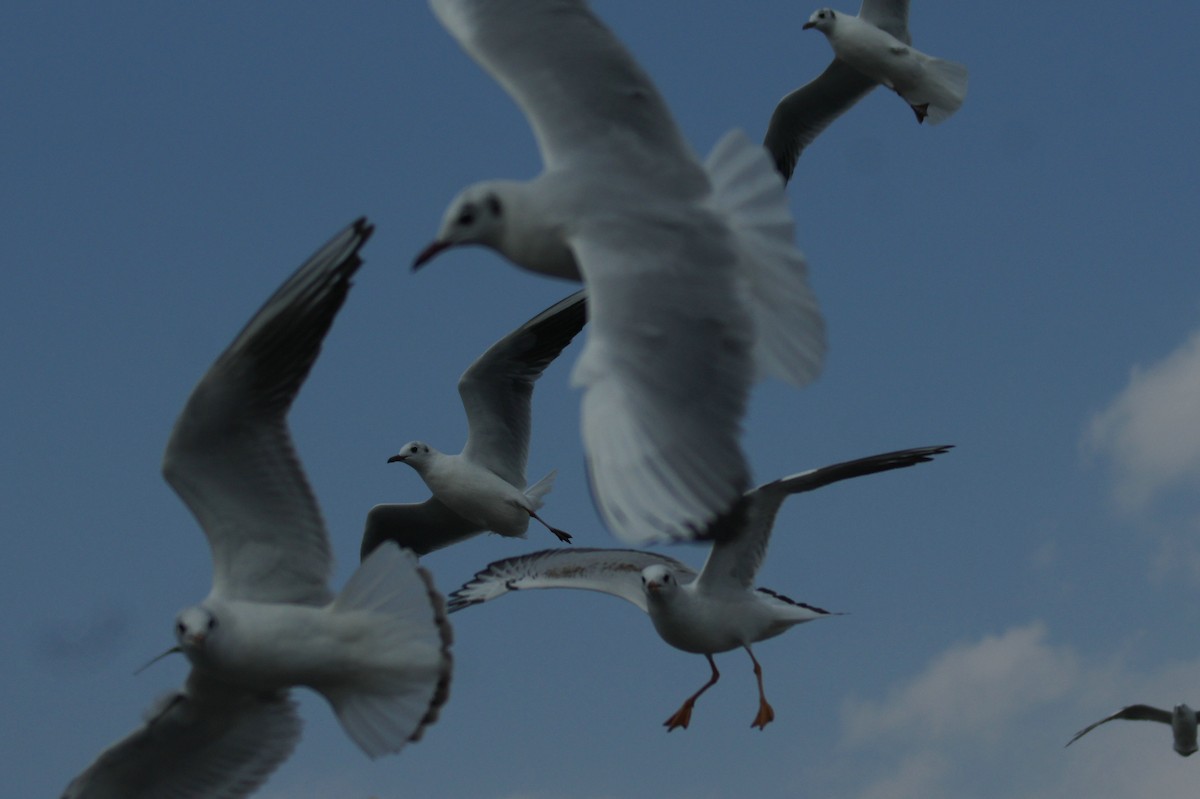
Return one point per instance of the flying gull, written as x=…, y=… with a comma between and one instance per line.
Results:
x=716, y=610
x=378, y=652
x=483, y=487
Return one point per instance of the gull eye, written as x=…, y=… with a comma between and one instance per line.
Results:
x=212, y=622
x=467, y=215
x=180, y=627
x=414, y=449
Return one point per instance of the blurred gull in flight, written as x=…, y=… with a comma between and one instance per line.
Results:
x=378, y=651
x=695, y=287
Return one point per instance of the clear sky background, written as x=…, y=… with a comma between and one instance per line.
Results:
x=1020, y=281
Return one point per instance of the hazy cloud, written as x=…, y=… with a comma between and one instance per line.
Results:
x=1150, y=433
x=969, y=688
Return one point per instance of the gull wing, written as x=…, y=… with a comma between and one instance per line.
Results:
x=421, y=527
x=666, y=370
x=204, y=742
x=611, y=571
x=582, y=92
x=497, y=389
x=1130, y=713
x=734, y=561
x=230, y=456
x=888, y=15
x=803, y=114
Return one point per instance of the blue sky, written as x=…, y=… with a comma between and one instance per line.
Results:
x=1019, y=281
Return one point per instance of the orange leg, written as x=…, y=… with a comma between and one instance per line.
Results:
x=684, y=714
x=563, y=535
x=766, y=714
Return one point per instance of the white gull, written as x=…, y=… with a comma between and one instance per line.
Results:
x=933, y=88
x=483, y=487
x=714, y=611
x=804, y=113
x=378, y=651
x=695, y=285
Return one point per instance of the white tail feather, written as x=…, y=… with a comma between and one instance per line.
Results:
x=943, y=87
x=402, y=673
x=540, y=489
x=789, y=336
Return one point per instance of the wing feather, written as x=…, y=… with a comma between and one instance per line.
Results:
x=582, y=92
x=736, y=560
x=666, y=370
x=419, y=526
x=497, y=389
x=230, y=456
x=610, y=571
x=205, y=742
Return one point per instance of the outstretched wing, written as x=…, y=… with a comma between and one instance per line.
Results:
x=421, y=527
x=610, y=571
x=1130, y=713
x=497, y=389
x=205, y=742
x=230, y=457
x=667, y=369
x=583, y=94
x=735, y=560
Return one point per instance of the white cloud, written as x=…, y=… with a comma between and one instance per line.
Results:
x=1151, y=431
x=969, y=688
x=989, y=720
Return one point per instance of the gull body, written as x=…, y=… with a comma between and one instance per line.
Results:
x=1182, y=720
x=714, y=610
x=378, y=651
x=695, y=285
x=472, y=491
x=933, y=88
x=483, y=487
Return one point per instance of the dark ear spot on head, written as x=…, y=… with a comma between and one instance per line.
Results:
x=493, y=204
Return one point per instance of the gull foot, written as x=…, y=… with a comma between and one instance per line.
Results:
x=921, y=111
x=680, y=718
x=766, y=714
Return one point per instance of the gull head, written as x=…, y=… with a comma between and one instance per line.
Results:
x=822, y=19
x=658, y=582
x=415, y=453
x=193, y=627
x=476, y=216
x=1183, y=724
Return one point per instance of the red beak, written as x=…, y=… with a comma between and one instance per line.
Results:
x=426, y=255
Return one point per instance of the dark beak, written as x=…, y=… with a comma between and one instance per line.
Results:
x=808, y=25
x=172, y=651
x=396, y=459
x=426, y=255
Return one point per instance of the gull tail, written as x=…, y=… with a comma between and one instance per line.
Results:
x=540, y=489
x=401, y=675
x=789, y=335
x=940, y=92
